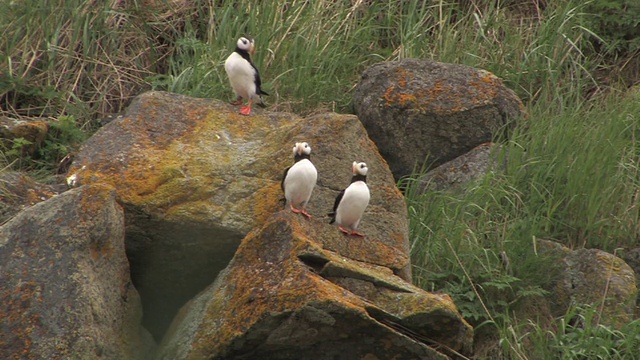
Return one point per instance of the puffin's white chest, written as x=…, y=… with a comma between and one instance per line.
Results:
x=300, y=181
x=354, y=202
x=242, y=75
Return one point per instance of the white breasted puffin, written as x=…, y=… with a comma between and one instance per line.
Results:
x=243, y=75
x=299, y=179
x=352, y=201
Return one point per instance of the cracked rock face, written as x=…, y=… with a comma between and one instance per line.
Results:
x=287, y=295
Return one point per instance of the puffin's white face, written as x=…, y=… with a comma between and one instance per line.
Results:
x=301, y=148
x=247, y=44
x=359, y=168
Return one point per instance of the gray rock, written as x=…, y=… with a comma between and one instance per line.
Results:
x=593, y=277
x=461, y=171
x=65, y=289
x=419, y=109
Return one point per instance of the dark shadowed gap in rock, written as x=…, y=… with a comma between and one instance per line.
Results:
x=173, y=262
x=314, y=261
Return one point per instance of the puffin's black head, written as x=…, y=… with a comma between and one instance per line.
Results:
x=301, y=150
x=247, y=44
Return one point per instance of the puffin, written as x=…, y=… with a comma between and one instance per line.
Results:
x=299, y=179
x=352, y=201
x=243, y=75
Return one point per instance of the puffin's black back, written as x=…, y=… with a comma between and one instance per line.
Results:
x=245, y=55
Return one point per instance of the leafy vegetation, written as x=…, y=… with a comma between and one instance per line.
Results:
x=571, y=169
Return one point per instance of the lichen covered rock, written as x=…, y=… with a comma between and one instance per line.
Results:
x=65, y=288
x=195, y=177
x=285, y=295
x=414, y=109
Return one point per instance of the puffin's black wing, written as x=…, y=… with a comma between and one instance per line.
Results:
x=258, y=82
x=335, y=206
x=284, y=176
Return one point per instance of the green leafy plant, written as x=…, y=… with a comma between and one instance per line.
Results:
x=63, y=137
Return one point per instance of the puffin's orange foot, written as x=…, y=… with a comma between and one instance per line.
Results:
x=355, y=233
x=343, y=230
x=305, y=213
x=245, y=110
x=294, y=209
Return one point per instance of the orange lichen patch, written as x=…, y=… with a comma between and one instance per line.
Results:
x=401, y=76
x=94, y=199
x=389, y=96
x=443, y=97
x=266, y=201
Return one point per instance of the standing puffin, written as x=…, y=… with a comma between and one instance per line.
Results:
x=299, y=179
x=352, y=201
x=243, y=75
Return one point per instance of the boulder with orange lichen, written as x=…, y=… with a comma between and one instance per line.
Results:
x=195, y=177
x=65, y=287
x=287, y=295
x=414, y=109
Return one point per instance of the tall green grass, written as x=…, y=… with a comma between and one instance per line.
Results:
x=311, y=54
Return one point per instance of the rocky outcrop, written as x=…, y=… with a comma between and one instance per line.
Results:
x=593, y=277
x=66, y=290
x=421, y=110
x=195, y=177
x=289, y=294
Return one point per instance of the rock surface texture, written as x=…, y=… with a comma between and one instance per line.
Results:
x=414, y=109
x=289, y=294
x=66, y=291
x=461, y=171
x=594, y=277
x=195, y=177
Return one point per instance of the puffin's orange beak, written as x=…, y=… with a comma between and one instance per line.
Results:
x=252, y=49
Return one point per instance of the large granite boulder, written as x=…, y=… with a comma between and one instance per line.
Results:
x=195, y=177
x=65, y=288
x=419, y=109
x=289, y=294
